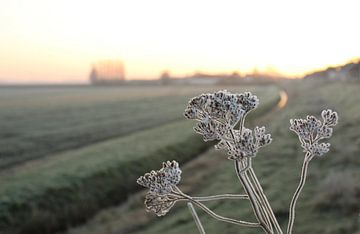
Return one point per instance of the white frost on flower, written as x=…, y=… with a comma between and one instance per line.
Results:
x=161, y=183
x=219, y=113
x=246, y=145
x=311, y=130
x=160, y=205
x=221, y=106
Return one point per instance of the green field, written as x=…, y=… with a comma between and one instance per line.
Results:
x=37, y=122
x=330, y=202
x=68, y=152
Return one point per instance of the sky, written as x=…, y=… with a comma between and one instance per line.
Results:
x=58, y=41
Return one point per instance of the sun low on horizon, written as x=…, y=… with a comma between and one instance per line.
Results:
x=58, y=41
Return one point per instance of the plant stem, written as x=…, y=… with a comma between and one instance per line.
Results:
x=259, y=202
x=265, y=201
x=221, y=196
x=252, y=198
x=297, y=193
x=242, y=120
x=225, y=219
x=216, y=216
x=196, y=218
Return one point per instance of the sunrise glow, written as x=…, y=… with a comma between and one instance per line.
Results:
x=57, y=41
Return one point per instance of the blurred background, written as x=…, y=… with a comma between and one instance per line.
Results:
x=92, y=95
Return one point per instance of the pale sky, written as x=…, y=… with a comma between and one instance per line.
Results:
x=57, y=41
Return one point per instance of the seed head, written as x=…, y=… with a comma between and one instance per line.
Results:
x=311, y=130
x=220, y=106
x=160, y=205
x=217, y=115
x=161, y=184
x=163, y=181
x=246, y=145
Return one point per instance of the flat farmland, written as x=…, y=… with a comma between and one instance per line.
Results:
x=68, y=152
x=39, y=121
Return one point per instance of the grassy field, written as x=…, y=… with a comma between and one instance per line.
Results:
x=37, y=122
x=329, y=203
x=86, y=174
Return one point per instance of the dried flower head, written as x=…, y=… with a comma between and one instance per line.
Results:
x=218, y=113
x=311, y=130
x=160, y=205
x=220, y=108
x=246, y=145
x=161, y=184
x=248, y=101
x=163, y=181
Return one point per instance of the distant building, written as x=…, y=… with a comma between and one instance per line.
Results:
x=107, y=72
x=165, y=78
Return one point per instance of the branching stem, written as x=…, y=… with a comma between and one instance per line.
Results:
x=297, y=193
x=265, y=201
x=219, y=217
x=196, y=218
x=252, y=198
x=220, y=197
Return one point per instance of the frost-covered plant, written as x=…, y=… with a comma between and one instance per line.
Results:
x=163, y=194
x=310, y=132
x=220, y=117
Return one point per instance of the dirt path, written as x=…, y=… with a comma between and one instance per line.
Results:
x=283, y=99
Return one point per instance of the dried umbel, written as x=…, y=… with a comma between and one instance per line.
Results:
x=164, y=193
x=311, y=130
x=218, y=114
x=163, y=181
x=221, y=116
x=222, y=107
x=245, y=145
x=159, y=204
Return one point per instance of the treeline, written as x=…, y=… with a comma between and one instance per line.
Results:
x=349, y=71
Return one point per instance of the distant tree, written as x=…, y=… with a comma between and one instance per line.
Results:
x=165, y=77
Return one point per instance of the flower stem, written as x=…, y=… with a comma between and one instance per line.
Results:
x=220, y=197
x=297, y=193
x=196, y=218
x=216, y=216
x=265, y=201
x=225, y=219
x=259, y=202
x=252, y=198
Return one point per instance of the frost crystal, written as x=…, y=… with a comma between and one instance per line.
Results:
x=311, y=130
